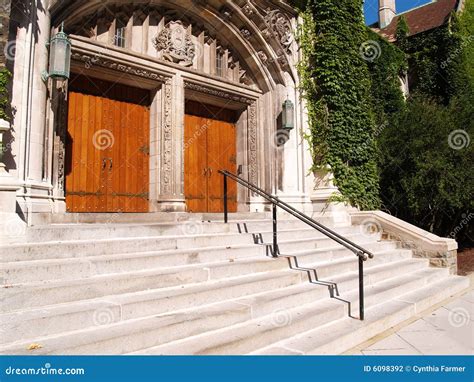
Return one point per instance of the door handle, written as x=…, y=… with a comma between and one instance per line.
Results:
x=204, y=172
x=210, y=171
x=104, y=163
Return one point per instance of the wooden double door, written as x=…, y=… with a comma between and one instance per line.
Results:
x=209, y=146
x=107, y=166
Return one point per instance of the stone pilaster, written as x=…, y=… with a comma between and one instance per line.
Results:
x=171, y=169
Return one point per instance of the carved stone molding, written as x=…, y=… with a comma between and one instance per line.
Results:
x=91, y=60
x=175, y=44
x=167, y=148
x=217, y=93
x=252, y=143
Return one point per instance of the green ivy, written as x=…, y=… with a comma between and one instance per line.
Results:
x=4, y=102
x=385, y=73
x=336, y=85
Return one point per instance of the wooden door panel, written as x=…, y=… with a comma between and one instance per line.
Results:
x=84, y=184
x=195, y=163
x=209, y=145
x=130, y=159
x=221, y=151
x=109, y=158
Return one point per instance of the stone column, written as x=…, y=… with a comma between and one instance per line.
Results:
x=30, y=147
x=11, y=226
x=171, y=168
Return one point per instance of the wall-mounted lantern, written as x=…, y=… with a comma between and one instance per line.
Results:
x=288, y=115
x=59, y=56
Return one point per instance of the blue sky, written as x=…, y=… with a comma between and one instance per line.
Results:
x=371, y=8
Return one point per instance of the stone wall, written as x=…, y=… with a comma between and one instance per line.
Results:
x=5, y=7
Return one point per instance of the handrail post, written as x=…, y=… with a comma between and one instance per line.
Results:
x=361, y=288
x=225, y=199
x=275, y=238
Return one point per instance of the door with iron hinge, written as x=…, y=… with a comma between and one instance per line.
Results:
x=209, y=146
x=108, y=144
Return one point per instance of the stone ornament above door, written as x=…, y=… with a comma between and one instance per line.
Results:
x=175, y=44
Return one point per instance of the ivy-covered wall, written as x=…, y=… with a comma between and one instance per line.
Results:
x=425, y=151
x=336, y=85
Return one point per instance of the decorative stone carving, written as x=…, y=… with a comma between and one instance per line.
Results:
x=280, y=25
x=175, y=44
x=252, y=143
x=247, y=9
x=167, y=153
x=90, y=60
x=226, y=13
x=263, y=57
x=245, y=33
x=217, y=93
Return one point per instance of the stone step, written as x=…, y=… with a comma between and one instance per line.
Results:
x=142, y=218
x=92, y=286
x=282, y=290
x=103, y=246
x=341, y=335
x=65, y=232
x=134, y=335
x=248, y=336
x=75, y=268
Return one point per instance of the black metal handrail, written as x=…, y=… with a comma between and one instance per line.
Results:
x=360, y=252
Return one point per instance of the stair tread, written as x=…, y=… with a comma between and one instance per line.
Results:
x=312, y=341
x=201, y=343
x=174, y=269
x=252, y=301
x=352, y=232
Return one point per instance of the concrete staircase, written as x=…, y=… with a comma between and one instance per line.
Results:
x=193, y=285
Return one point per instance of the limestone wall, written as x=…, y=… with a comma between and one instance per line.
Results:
x=5, y=7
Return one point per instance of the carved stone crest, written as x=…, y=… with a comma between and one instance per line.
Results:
x=175, y=44
x=279, y=24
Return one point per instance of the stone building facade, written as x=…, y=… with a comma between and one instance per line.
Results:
x=236, y=55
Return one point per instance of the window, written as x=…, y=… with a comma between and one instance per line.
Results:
x=220, y=63
x=119, y=38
